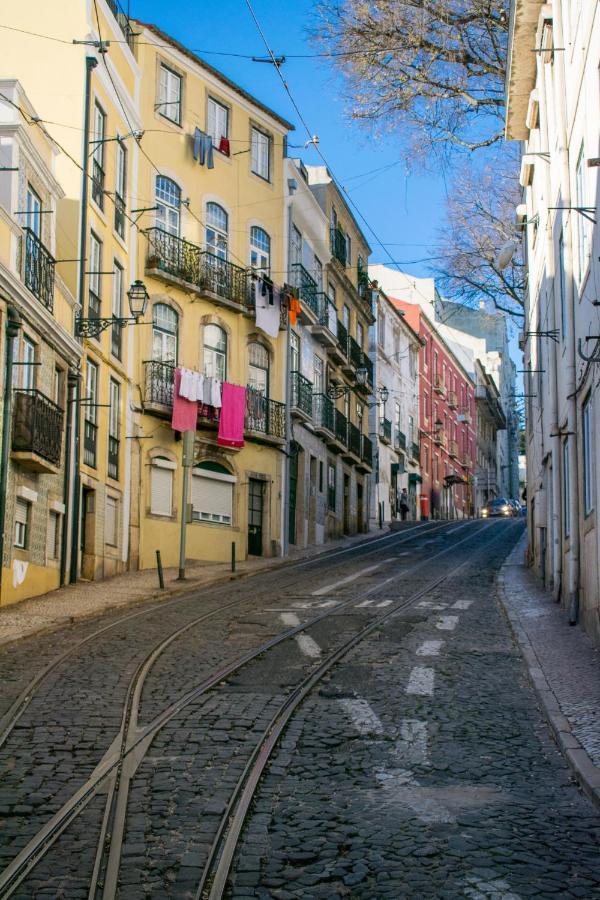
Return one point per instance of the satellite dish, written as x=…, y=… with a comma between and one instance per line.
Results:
x=505, y=255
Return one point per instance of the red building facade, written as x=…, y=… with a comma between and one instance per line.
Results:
x=448, y=438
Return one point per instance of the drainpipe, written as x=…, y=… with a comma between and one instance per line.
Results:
x=71, y=410
x=13, y=324
x=90, y=64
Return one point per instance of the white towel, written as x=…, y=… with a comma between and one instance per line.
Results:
x=215, y=393
x=207, y=391
x=267, y=314
x=186, y=384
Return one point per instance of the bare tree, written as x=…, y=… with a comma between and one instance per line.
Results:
x=436, y=66
x=480, y=220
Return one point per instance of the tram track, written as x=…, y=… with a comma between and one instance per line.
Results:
x=131, y=737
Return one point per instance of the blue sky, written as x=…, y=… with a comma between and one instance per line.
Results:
x=404, y=207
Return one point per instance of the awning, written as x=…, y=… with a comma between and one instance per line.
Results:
x=414, y=478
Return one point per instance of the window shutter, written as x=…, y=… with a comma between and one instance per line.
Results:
x=162, y=491
x=212, y=499
x=110, y=522
x=53, y=531
x=21, y=510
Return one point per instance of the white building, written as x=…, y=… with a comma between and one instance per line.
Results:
x=553, y=103
x=394, y=414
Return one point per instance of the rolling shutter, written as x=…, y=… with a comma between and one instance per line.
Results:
x=110, y=522
x=161, y=503
x=212, y=497
x=53, y=533
x=21, y=511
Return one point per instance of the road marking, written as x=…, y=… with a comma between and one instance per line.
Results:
x=384, y=603
x=347, y=580
x=447, y=623
x=365, y=603
x=413, y=743
x=420, y=681
x=428, y=604
x=405, y=553
x=307, y=645
x=462, y=604
x=327, y=603
x=430, y=648
x=364, y=718
x=496, y=889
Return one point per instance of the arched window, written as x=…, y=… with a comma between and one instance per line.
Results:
x=258, y=368
x=260, y=249
x=168, y=204
x=217, y=226
x=215, y=352
x=165, y=326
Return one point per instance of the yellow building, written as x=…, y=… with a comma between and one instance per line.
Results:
x=211, y=178
x=37, y=343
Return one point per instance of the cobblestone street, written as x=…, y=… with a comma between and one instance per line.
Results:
x=357, y=725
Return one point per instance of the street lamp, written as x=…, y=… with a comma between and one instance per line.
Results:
x=437, y=425
x=95, y=325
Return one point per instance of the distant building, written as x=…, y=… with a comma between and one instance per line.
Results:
x=491, y=422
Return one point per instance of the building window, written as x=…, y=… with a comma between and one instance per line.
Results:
x=330, y=486
x=566, y=491
x=588, y=463
x=318, y=270
x=217, y=226
x=168, y=205
x=318, y=375
x=165, y=327
x=411, y=430
x=53, y=536
x=412, y=362
x=260, y=249
x=348, y=249
x=295, y=250
x=320, y=476
x=95, y=277
x=22, y=512
x=381, y=329
x=215, y=352
x=90, y=405
x=110, y=521
x=212, y=494
x=24, y=373
x=120, y=188
x=426, y=459
x=360, y=335
x=169, y=95
x=33, y=219
x=114, y=429
x=98, y=139
x=217, y=121
x=258, y=368
x=116, y=342
x=161, y=487
x=261, y=154
x=346, y=317
x=582, y=231
x=295, y=352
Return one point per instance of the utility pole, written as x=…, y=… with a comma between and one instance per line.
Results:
x=288, y=440
x=187, y=461
x=13, y=325
x=90, y=64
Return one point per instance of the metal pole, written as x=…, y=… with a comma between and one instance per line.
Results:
x=233, y=556
x=187, y=461
x=288, y=440
x=90, y=64
x=13, y=324
x=161, y=577
x=71, y=410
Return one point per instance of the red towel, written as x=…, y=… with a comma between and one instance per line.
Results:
x=224, y=146
x=185, y=412
x=231, y=420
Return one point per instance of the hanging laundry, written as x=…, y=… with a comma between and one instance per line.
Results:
x=207, y=391
x=224, y=146
x=267, y=307
x=203, y=148
x=185, y=412
x=294, y=310
x=215, y=393
x=231, y=418
x=192, y=385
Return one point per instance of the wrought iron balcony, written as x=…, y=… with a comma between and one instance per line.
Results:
x=355, y=353
x=400, y=440
x=37, y=429
x=341, y=427
x=354, y=440
x=90, y=443
x=342, y=336
x=328, y=315
x=367, y=363
x=385, y=430
x=223, y=278
x=306, y=285
x=367, y=450
x=302, y=395
x=264, y=416
x=123, y=20
x=38, y=269
x=338, y=245
x=159, y=380
x=113, y=456
x=415, y=451
x=323, y=413
x=362, y=277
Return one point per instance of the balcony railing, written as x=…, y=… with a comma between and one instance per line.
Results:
x=342, y=336
x=328, y=315
x=37, y=425
x=263, y=415
x=453, y=448
x=223, y=278
x=355, y=353
x=439, y=385
x=363, y=282
x=400, y=440
x=439, y=437
x=354, y=439
x=302, y=393
x=323, y=412
x=385, y=430
x=415, y=451
x=452, y=399
x=38, y=269
x=367, y=363
x=158, y=382
x=338, y=245
x=113, y=456
x=123, y=20
x=367, y=450
x=306, y=285
x=341, y=427
x=98, y=182
x=90, y=443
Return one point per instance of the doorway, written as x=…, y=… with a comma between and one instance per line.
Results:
x=346, y=504
x=87, y=533
x=255, y=516
x=360, y=522
x=294, y=453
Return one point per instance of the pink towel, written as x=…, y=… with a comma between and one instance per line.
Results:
x=185, y=412
x=231, y=418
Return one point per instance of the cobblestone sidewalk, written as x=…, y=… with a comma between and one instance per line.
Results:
x=90, y=598
x=563, y=665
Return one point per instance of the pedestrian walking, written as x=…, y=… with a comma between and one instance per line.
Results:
x=404, y=507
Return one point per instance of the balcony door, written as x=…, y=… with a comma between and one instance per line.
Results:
x=34, y=212
x=164, y=334
x=255, y=516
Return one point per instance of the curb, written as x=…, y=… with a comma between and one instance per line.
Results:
x=169, y=593
x=586, y=773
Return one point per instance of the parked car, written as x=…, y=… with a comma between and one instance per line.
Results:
x=499, y=506
x=516, y=507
